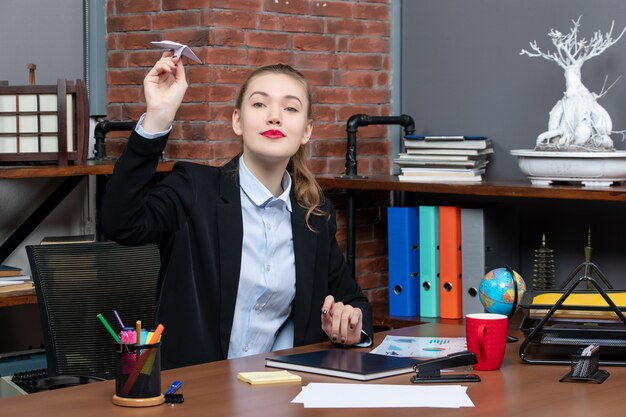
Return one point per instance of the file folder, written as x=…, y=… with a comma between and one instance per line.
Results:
x=429, y=261
x=450, y=288
x=502, y=235
x=472, y=257
x=403, y=246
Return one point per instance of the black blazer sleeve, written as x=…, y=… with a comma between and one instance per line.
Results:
x=341, y=284
x=133, y=212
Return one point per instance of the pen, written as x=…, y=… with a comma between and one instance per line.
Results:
x=119, y=320
x=174, y=387
x=108, y=327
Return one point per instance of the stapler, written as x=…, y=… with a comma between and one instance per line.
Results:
x=430, y=370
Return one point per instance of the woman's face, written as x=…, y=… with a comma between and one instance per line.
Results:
x=273, y=119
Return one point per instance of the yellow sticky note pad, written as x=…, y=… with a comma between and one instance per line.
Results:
x=268, y=377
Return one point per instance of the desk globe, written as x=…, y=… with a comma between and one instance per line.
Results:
x=497, y=291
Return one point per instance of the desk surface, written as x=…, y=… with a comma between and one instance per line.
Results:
x=213, y=389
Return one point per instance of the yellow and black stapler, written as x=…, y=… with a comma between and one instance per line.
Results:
x=430, y=370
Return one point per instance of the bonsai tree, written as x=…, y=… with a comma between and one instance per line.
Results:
x=577, y=122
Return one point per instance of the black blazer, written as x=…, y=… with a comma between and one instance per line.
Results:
x=194, y=215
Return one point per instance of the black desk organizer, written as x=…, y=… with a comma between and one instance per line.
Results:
x=585, y=368
x=553, y=339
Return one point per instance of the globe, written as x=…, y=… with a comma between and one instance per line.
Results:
x=497, y=290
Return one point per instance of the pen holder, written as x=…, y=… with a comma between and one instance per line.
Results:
x=585, y=368
x=138, y=376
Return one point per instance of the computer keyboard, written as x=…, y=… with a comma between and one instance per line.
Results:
x=27, y=380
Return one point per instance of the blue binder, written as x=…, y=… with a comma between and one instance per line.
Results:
x=429, y=260
x=403, y=244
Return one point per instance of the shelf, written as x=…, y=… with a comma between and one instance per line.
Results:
x=45, y=171
x=13, y=298
x=488, y=188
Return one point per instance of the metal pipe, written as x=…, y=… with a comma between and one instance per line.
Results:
x=100, y=131
x=351, y=170
x=357, y=120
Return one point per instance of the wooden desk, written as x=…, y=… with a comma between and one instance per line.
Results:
x=517, y=390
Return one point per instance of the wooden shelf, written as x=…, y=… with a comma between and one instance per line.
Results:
x=46, y=171
x=13, y=298
x=488, y=188
x=90, y=168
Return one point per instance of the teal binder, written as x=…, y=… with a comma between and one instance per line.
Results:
x=403, y=244
x=429, y=260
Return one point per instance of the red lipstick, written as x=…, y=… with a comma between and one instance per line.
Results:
x=273, y=134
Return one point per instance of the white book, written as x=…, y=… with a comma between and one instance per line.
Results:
x=9, y=283
x=439, y=157
x=438, y=178
x=478, y=164
x=442, y=151
x=442, y=172
x=20, y=278
x=462, y=144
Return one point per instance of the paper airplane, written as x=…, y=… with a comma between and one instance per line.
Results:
x=179, y=49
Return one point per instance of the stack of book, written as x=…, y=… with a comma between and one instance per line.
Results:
x=12, y=279
x=444, y=158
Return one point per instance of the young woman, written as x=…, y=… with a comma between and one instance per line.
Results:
x=248, y=250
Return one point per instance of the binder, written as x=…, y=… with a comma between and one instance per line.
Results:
x=429, y=261
x=502, y=235
x=450, y=288
x=403, y=246
x=472, y=257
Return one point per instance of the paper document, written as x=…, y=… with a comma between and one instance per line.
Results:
x=179, y=49
x=420, y=347
x=324, y=395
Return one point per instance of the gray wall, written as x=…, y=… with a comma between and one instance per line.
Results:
x=47, y=33
x=462, y=72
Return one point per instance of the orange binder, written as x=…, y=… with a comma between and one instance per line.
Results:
x=450, y=290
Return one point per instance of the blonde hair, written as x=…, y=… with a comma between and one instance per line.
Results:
x=306, y=190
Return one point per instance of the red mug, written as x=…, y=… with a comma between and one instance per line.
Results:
x=486, y=338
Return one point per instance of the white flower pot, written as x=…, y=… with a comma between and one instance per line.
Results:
x=589, y=168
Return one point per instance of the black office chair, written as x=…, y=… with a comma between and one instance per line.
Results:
x=76, y=282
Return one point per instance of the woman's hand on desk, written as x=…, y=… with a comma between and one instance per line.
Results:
x=342, y=323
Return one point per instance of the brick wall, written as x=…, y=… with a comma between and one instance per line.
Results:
x=342, y=47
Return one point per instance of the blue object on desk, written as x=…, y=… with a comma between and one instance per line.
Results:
x=174, y=387
x=404, y=261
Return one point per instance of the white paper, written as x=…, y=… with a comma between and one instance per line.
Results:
x=325, y=395
x=7, y=283
x=179, y=49
x=420, y=347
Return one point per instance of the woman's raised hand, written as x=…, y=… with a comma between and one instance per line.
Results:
x=164, y=88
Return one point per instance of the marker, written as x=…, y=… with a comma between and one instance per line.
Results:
x=138, y=332
x=119, y=320
x=174, y=387
x=156, y=335
x=108, y=327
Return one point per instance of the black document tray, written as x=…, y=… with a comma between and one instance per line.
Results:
x=554, y=332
